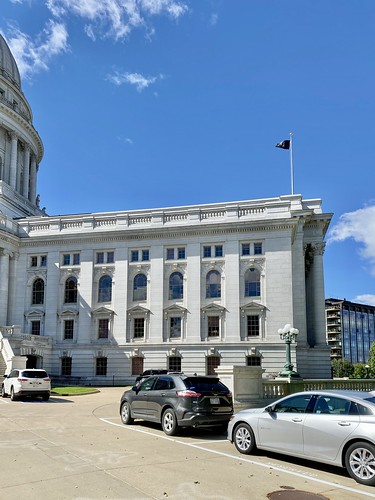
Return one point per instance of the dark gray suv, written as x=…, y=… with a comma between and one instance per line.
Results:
x=177, y=400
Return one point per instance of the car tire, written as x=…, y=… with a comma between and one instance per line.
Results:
x=360, y=462
x=125, y=413
x=3, y=393
x=244, y=439
x=169, y=422
x=13, y=397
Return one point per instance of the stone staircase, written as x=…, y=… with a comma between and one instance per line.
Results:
x=3, y=366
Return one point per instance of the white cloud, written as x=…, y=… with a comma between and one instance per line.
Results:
x=214, y=19
x=359, y=226
x=116, y=18
x=365, y=299
x=34, y=55
x=139, y=81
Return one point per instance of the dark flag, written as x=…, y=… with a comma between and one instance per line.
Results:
x=283, y=144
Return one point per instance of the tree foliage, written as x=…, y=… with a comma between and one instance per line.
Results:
x=342, y=368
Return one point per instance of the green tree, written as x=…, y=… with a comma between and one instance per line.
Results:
x=342, y=368
x=371, y=361
x=360, y=370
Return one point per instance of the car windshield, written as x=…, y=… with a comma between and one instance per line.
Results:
x=205, y=384
x=34, y=374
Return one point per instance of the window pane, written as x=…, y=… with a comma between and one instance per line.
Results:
x=213, y=326
x=66, y=259
x=137, y=365
x=134, y=256
x=43, y=261
x=66, y=366
x=245, y=248
x=206, y=251
x=145, y=254
x=71, y=290
x=218, y=250
x=176, y=287
x=252, y=283
x=257, y=248
x=175, y=327
x=181, y=253
x=35, y=328
x=68, y=329
x=34, y=261
x=253, y=326
x=38, y=292
x=105, y=289
x=212, y=363
x=100, y=258
x=110, y=257
x=140, y=287
x=174, y=364
x=76, y=259
x=101, y=366
x=139, y=328
x=170, y=253
x=253, y=361
x=213, y=285
x=103, y=328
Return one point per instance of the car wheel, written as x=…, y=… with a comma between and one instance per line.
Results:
x=360, y=462
x=3, y=393
x=126, y=413
x=243, y=438
x=169, y=422
x=12, y=395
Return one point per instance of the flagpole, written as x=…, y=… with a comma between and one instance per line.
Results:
x=291, y=162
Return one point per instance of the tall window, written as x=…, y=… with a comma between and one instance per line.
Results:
x=105, y=289
x=101, y=366
x=176, y=286
x=38, y=292
x=137, y=365
x=253, y=326
x=35, y=327
x=212, y=363
x=139, y=328
x=174, y=364
x=213, y=285
x=66, y=366
x=252, y=283
x=175, y=324
x=103, y=328
x=68, y=329
x=213, y=326
x=140, y=287
x=71, y=290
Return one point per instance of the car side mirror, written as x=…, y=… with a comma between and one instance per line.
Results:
x=5, y=375
x=269, y=409
x=135, y=388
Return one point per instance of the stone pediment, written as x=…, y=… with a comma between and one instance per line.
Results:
x=213, y=308
x=138, y=310
x=103, y=310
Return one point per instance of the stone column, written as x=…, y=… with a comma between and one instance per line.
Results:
x=319, y=320
x=32, y=191
x=26, y=171
x=4, y=285
x=13, y=160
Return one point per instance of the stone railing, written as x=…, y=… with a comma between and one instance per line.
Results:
x=14, y=333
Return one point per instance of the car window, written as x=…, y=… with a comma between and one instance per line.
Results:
x=164, y=383
x=147, y=384
x=333, y=405
x=201, y=384
x=13, y=373
x=294, y=404
x=34, y=374
x=358, y=409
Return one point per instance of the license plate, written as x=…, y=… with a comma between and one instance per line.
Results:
x=215, y=401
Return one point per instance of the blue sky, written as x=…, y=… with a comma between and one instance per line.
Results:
x=152, y=103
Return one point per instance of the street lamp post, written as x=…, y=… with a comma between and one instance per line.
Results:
x=288, y=334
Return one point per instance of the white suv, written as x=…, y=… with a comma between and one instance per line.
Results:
x=28, y=382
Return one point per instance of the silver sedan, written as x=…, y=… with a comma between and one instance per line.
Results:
x=333, y=427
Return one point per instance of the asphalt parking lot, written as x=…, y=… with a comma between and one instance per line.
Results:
x=77, y=448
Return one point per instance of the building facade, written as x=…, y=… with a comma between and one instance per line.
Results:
x=350, y=329
x=104, y=296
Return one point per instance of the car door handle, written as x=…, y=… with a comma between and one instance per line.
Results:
x=296, y=419
x=344, y=424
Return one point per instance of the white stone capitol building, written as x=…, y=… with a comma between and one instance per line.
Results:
x=104, y=296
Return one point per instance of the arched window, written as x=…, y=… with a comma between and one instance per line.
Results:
x=38, y=292
x=105, y=289
x=213, y=285
x=252, y=282
x=176, y=286
x=140, y=287
x=70, y=290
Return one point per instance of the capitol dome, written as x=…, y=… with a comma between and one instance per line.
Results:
x=8, y=65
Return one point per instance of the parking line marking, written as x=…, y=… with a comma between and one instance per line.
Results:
x=244, y=459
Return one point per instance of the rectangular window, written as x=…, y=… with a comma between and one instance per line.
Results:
x=257, y=248
x=212, y=363
x=134, y=256
x=174, y=364
x=101, y=366
x=253, y=326
x=110, y=257
x=100, y=257
x=34, y=261
x=253, y=361
x=68, y=329
x=213, y=326
x=218, y=250
x=245, y=248
x=103, y=328
x=145, y=255
x=139, y=328
x=66, y=259
x=170, y=253
x=206, y=251
x=181, y=253
x=66, y=366
x=76, y=259
x=175, y=327
x=137, y=365
x=43, y=260
x=35, y=328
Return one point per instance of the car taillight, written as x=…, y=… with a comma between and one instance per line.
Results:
x=188, y=394
x=46, y=379
x=22, y=379
x=229, y=395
